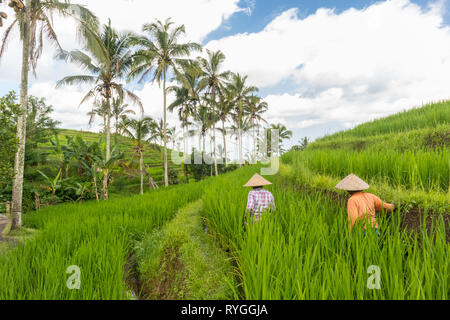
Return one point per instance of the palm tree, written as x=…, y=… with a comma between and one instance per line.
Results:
x=204, y=117
x=161, y=53
x=190, y=77
x=215, y=79
x=138, y=130
x=110, y=62
x=240, y=94
x=34, y=20
x=225, y=107
x=283, y=134
x=255, y=108
x=99, y=108
x=119, y=110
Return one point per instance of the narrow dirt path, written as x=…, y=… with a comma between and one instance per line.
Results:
x=4, y=222
x=180, y=261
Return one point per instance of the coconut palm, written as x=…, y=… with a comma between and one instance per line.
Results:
x=119, y=110
x=34, y=19
x=225, y=106
x=109, y=61
x=283, y=134
x=161, y=53
x=138, y=130
x=255, y=107
x=215, y=79
x=240, y=94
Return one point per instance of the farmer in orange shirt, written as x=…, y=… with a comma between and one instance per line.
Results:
x=260, y=200
x=362, y=205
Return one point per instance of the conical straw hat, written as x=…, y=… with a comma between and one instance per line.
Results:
x=257, y=181
x=352, y=183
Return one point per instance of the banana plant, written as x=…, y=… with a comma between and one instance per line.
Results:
x=52, y=184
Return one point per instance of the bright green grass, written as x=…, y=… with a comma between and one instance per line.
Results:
x=204, y=270
x=97, y=237
x=430, y=138
x=424, y=170
x=305, y=250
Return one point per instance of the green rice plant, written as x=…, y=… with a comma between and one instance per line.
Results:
x=305, y=250
x=424, y=170
x=96, y=237
x=183, y=255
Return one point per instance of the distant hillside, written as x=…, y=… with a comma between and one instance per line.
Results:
x=427, y=127
x=428, y=116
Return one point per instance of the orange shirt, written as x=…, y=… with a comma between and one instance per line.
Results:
x=364, y=206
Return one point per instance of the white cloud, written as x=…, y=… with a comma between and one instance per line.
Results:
x=348, y=67
x=200, y=17
x=343, y=68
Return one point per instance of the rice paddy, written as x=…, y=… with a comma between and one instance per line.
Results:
x=303, y=250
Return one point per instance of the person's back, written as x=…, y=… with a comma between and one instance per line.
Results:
x=362, y=205
x=259, y=201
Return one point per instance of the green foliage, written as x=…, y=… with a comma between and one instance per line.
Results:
x=431, y=115
x=97, y=237
x=8, y=113
x=184, y=256
x=305, y=249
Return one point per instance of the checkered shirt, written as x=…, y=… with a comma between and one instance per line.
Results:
x=259, y=200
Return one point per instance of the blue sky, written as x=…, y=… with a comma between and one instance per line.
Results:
x=320, y=66
x=263, y=11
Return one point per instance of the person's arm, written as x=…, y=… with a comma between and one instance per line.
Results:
x=380, y=205
x=250, y=202
x=272, y=202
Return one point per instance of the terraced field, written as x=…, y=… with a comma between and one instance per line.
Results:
x=167, y=243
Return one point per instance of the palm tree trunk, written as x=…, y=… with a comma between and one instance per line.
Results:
x=95, y=187
x=141, y=169
x=108, y=148
x=166, y=171
x=254, y=142
x=19, y=161
x=224, y=143
x=239, y=136
x=214, y=131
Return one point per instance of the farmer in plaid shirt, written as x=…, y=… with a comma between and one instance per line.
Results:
x=259, y=199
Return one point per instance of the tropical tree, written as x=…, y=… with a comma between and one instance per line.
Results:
x=225, y=107
x=119, y=109
x=283, y=134
x=160, y=54
x=109, y=62
x=99, y=108
x=138, y=130
x=215, y=78
x=255, y=108
x=34, y=19
x=189, y=77
x=240, y=94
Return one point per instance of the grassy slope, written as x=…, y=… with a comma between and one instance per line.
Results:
x=97, y=237
x=404, y=157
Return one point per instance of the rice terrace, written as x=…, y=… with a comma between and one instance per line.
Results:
x=165, y=158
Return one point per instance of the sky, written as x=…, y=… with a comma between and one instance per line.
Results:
x=321, y=65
